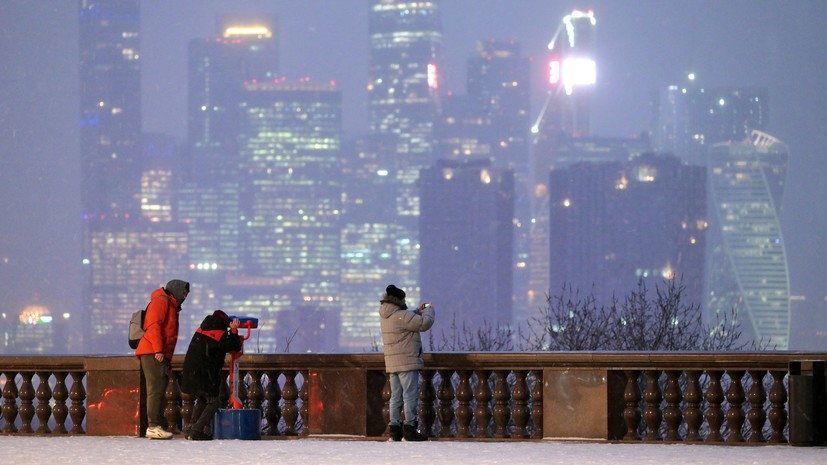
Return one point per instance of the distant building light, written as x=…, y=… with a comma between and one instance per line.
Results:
x=260, y=31
x=433, y=81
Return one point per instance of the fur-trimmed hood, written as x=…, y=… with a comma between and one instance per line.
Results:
x=387, y=310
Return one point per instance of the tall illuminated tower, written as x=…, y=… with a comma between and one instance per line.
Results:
x=110, y=150
x=110, y=106
x=403, y=104
x=290, y=195
x=245, y=51
x=747, y=258
x=572, y=74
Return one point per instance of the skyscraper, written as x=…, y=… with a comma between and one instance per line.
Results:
x=565, y=115
x=613, y=223
x=747, y=258
x=403, y=104
x=403, y=87
x=572, y=75
x=690, y=118
x=110, y=100
x=111, y=164
x=290, y=195
x=467, y=241
x=244, y=51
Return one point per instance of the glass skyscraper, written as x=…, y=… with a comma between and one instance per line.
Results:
x=110, y=106
x=747, y=259
x=112, y=168
x=691, y=118
x=290, y=195
x=405, y=39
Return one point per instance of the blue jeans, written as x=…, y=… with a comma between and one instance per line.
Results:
x=404, y=389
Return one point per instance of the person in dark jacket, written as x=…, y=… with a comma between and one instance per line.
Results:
x=216, y=336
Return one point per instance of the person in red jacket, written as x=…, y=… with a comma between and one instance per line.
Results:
x=156, y=348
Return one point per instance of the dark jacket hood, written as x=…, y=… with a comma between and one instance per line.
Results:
x=178, y=289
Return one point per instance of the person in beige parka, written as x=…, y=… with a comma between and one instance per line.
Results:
x=403, y=358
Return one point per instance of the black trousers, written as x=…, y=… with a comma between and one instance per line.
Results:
x=203, y=412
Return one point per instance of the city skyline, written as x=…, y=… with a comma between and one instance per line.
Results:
x=33, y=138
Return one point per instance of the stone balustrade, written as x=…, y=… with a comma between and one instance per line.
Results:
x=717, y=398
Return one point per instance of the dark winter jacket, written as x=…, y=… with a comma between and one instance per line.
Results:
x=400, y=334
x=205, y=356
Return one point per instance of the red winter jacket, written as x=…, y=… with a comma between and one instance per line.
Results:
x=160, y=325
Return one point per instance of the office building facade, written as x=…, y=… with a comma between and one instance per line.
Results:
x=614, y=223
x=748, y=269
x=467, y=242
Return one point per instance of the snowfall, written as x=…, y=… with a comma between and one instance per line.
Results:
x=23, y=450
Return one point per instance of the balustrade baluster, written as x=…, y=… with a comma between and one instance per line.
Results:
x=77, y=412
x=520, y=412
x=255, y=393
x=778, y=413
x=756, y=397
x=464, y=396
x=242, y=388
x=60, y=411
x=272, y=395
x=714, y=413
x=631, y=414
x=44, y=396
x=537, y=404
x=483, y=397
x=502, y=413
x=735, y=414
x=386, y=404
x=445, y=394
x=672, y=411
x=187, y=408
x=10, y=410
x=304, y=392
x=693, y=414
x=290, y=411
x=427, y=414
x=172, y=396
x=652, y=398
x=26, y=396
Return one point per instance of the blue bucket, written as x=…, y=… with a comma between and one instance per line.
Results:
x=237, y=424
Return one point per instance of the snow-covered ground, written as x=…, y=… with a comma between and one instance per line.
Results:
x=24, y=450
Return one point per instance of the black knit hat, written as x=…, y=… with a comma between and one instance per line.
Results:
x=394, y=291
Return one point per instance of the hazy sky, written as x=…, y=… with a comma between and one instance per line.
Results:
x=642, y=46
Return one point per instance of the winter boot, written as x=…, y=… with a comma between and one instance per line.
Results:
x=396, y=433
x=409, y=433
